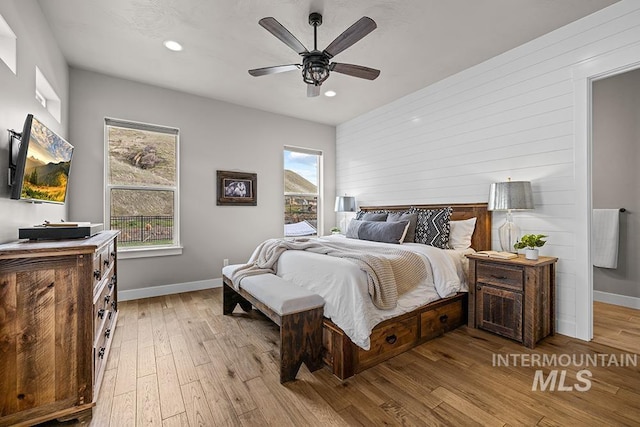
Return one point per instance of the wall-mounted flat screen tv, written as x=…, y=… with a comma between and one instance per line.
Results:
x=42, y=164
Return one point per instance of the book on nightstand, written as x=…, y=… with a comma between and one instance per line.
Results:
x=497, y=254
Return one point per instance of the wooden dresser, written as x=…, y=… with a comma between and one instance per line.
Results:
x=58, y=311
x=514, y=298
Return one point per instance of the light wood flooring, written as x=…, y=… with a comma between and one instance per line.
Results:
x=177, y=361
x=616, y=326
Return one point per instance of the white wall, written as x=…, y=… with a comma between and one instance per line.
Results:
x=616, y=175
x=511, y=116
x=35, y=47
x=213, y=135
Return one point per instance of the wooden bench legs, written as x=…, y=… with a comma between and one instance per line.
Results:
x=300, y=341
x=300, y=333
x=230, y=298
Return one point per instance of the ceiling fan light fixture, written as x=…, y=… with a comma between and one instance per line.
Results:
x=315, y=71
x=330, y=93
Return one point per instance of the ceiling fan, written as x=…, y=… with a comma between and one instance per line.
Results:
x=316, y=65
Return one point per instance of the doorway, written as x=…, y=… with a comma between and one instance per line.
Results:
x=615, y=144
x=584, y=75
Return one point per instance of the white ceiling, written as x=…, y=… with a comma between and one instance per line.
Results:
x=417, y=43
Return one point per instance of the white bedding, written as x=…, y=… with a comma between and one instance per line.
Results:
x=344, y=286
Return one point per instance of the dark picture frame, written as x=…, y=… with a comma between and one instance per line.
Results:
x=237, y=188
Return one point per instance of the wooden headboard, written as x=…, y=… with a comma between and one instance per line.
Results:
x=481, y=239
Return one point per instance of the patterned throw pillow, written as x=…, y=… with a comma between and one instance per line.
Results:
x=433, y=226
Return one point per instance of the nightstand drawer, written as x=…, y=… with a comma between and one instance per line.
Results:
x=500, y=275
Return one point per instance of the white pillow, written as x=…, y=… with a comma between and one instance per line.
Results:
x=461, y=232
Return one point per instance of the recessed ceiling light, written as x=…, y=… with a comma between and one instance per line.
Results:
x=330, y=93
x=173, y=45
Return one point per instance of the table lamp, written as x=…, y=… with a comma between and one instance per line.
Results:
x=509, y=196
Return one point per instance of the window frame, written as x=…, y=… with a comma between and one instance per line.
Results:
x=320, y=207
x=143, y=251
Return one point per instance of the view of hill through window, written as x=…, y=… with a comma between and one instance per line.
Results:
x=301, y=191
x=142, y=184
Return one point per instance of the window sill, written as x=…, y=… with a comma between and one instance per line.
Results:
x=130, y=253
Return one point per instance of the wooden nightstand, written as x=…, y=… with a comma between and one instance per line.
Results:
x=514, y=298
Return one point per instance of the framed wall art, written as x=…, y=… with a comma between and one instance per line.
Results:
x=237, y=188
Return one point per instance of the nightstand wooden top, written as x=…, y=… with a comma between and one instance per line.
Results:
x=521, y=260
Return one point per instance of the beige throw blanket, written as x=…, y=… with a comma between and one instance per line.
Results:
x=390, y=272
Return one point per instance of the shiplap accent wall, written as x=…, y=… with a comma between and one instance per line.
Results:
x=511, y=116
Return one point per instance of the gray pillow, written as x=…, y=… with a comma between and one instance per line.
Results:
x=374, y=216
x=377, y=231
x=371, y=216
x=405, y=216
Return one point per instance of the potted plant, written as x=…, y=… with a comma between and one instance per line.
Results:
x=335, y=230
x=530, y=242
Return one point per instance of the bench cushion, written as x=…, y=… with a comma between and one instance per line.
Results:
x=279, y=294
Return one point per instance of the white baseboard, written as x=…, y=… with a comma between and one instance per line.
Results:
x=157, y=291
x=623, y=300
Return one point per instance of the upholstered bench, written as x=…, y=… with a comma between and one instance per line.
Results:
x=296, y=310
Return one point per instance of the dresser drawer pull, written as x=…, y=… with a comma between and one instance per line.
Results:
x=478, y=287
x=101, y=313
x=113, y=254
x=391, y=339
x=499, y=277
x=101, y=352
x=107, y=333
x=96, y=274
x=107, y=299
x=106, y=263
x=444, y=318
x=114, y=305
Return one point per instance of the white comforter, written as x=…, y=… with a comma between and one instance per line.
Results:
x=344, y=286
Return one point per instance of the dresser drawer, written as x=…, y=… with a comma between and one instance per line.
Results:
x=503, y=276
x=440, y=320
x=103, y=301
x=392, y=338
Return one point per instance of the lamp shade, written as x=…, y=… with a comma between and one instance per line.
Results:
x=345, y=204
x=510, y=195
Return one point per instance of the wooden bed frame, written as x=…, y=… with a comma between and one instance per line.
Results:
x=401, y=333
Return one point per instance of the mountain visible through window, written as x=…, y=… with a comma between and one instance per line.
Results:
x=302, y=169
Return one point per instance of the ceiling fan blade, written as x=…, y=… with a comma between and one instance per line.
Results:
x=313, y=90
x=257, y=72
x=355, y=70
x=351, y=35
x=274, y=27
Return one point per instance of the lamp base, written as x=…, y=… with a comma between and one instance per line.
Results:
x=509, y=234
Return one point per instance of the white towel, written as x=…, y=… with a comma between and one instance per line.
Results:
x=605, y=232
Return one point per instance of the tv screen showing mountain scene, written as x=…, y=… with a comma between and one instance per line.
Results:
x=46, y=170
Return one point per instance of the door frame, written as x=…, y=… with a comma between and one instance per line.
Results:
x=584, y=74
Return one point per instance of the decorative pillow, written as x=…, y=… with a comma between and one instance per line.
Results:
x=372, y=216
x=378, y=231
x=461, y=232
x=405, y=216
x=433, y=227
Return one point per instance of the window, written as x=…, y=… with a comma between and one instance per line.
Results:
x=142, y=189
x=302, y=189
x=7, y=45
x=47, y=97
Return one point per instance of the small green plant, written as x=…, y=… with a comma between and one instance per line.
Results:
x=530, y=241
x=335, y=229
